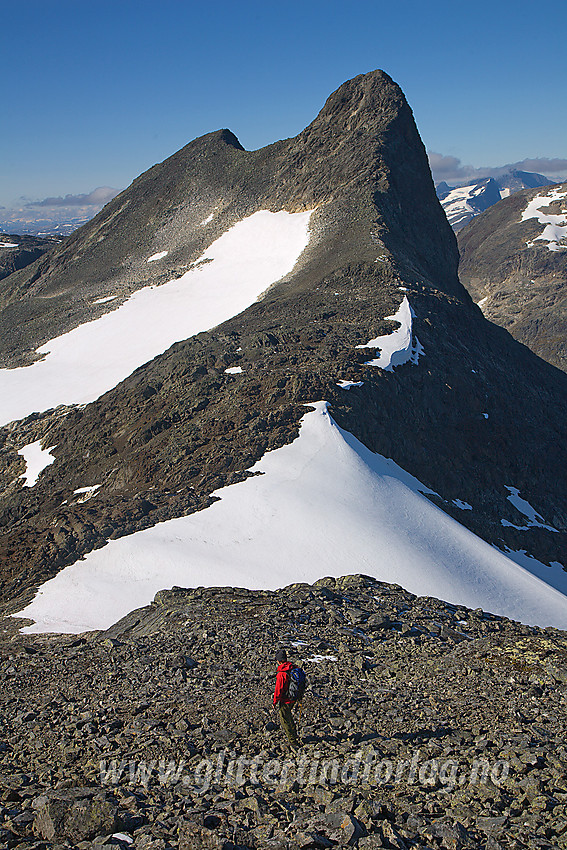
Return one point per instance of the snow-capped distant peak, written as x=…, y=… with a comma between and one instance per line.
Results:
x=463, y=203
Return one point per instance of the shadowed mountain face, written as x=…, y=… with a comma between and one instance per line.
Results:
x=514, y=261
x=17, y=252
x=479, y=412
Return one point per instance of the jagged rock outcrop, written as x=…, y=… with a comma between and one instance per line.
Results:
x=478, y=413
x=520, y=283
x=424, y=724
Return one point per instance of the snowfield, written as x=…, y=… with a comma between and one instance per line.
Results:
x=324, y=505
x=555, y=230
x=81, y=365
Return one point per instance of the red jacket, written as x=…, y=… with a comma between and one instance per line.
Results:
x=282, y=684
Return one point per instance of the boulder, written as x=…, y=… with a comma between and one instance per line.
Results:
x=76, y=815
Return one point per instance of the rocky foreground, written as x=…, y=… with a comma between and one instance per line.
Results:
x=425, y=725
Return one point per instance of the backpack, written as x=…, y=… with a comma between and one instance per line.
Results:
x=297, y=684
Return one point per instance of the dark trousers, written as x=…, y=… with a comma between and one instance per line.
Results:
x=288, y=723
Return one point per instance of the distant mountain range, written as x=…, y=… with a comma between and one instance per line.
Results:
x=57, y=224
x=463, y=203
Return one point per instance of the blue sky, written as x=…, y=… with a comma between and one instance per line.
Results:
x=94, y=93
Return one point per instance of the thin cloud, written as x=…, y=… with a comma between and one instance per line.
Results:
x=98, y=197
x=451, y=170
x=549, y=167
x=448, y=167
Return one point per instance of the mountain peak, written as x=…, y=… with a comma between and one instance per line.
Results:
x=356, y=100
x=363, y=107
x=307, y=246
x=225, y=136
x=363, y=151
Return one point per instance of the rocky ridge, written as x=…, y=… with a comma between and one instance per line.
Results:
x=520, y=283
x=346, y=163
x=106, y=738
x=179, y=427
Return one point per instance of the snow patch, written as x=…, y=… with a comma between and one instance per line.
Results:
x=86, y=493
x=482, y=302
x=105, y=300
x=396, y=348
x=555, y=230
x=81, y=365
x=317, y=659
x=320, y=504
x=233, y=370
x=37, y=459
x=524, y=507
x=9, y=245
x=159, y=256
x=346, y=385
x=464, y=506
x=207, y=219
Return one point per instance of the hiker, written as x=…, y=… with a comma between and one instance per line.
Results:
x=282, y=699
